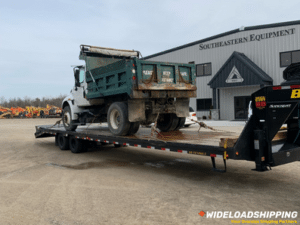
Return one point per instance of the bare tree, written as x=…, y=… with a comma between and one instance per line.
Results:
x=27, y=101
x=2, y=100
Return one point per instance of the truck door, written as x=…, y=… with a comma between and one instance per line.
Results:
x=79, y=91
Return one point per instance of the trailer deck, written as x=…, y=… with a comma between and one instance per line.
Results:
x=188, y=141
x=180, y=141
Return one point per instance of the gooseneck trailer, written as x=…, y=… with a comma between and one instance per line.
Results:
x=273, y=107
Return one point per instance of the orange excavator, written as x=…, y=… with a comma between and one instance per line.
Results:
x=30, y=112
x=5, y=113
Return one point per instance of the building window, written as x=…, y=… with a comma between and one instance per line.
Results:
x=287, y=58
x=203, y=69
x=204, y=104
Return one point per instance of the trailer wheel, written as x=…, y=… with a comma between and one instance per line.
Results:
x=180, y=123
x=134, y=127
x=63, y=142
x=117, y=118
x=67, y=119
x=167, y=122
x=56, y=140
x=76, y=145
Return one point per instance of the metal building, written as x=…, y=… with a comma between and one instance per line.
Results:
x=232, y=65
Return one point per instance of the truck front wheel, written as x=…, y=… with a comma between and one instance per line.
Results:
x=117, y=118
x=67, y=119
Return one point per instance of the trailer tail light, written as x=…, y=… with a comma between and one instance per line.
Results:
x=277, y=88
x=286, y=87
x=194, y=114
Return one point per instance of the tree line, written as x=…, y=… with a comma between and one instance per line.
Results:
x=27, y=101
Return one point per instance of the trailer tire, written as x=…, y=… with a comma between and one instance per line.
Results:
x=167, y=122
x=180, y=123
x=56, y=140
x=63, y=142
x=89, y=144
x=117, y=118
x=76, y=145
x=134, y=127
x=67, y=119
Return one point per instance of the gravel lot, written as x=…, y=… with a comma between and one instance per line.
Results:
x=40, y=184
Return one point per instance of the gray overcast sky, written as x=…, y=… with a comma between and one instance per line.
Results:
x=39, y=40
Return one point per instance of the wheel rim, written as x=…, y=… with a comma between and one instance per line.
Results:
x=115, y=119
x=67, y=118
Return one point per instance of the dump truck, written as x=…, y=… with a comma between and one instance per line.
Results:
x=119, y=87
x=273, y=107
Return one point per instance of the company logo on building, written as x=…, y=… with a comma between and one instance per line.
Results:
x=234, y=76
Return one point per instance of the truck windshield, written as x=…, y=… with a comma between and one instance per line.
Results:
x=81, y=76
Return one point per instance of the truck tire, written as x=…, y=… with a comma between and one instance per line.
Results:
x=134, y=127
x=63, y=142
x=181, y=122
x=167, y=122
x=67, y=119
x=117, y=118
x=76, y=145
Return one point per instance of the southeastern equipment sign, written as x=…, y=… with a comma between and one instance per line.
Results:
x=251, y=37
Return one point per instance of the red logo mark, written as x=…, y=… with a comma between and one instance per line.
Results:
x=201, y=213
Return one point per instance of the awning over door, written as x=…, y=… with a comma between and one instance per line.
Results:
x=239, y=70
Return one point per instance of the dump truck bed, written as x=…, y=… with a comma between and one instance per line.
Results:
x=114, y=72
x=126, y=75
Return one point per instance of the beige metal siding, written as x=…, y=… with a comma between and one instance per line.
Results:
x=265, y=53
x=227, y=99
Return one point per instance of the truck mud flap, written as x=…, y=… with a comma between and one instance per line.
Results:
x=182, y=107
x=136, y=110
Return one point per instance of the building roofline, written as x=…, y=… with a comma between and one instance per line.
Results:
x=257, y=71
x=225, y=34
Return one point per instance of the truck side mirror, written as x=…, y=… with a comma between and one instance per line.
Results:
x=76, y=75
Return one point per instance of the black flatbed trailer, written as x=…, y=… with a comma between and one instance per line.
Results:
x=254, y=143
x=272, y=107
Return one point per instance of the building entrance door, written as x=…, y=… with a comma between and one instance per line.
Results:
x=241, y=104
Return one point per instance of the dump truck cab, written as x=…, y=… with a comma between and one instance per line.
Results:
x=79, y=89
